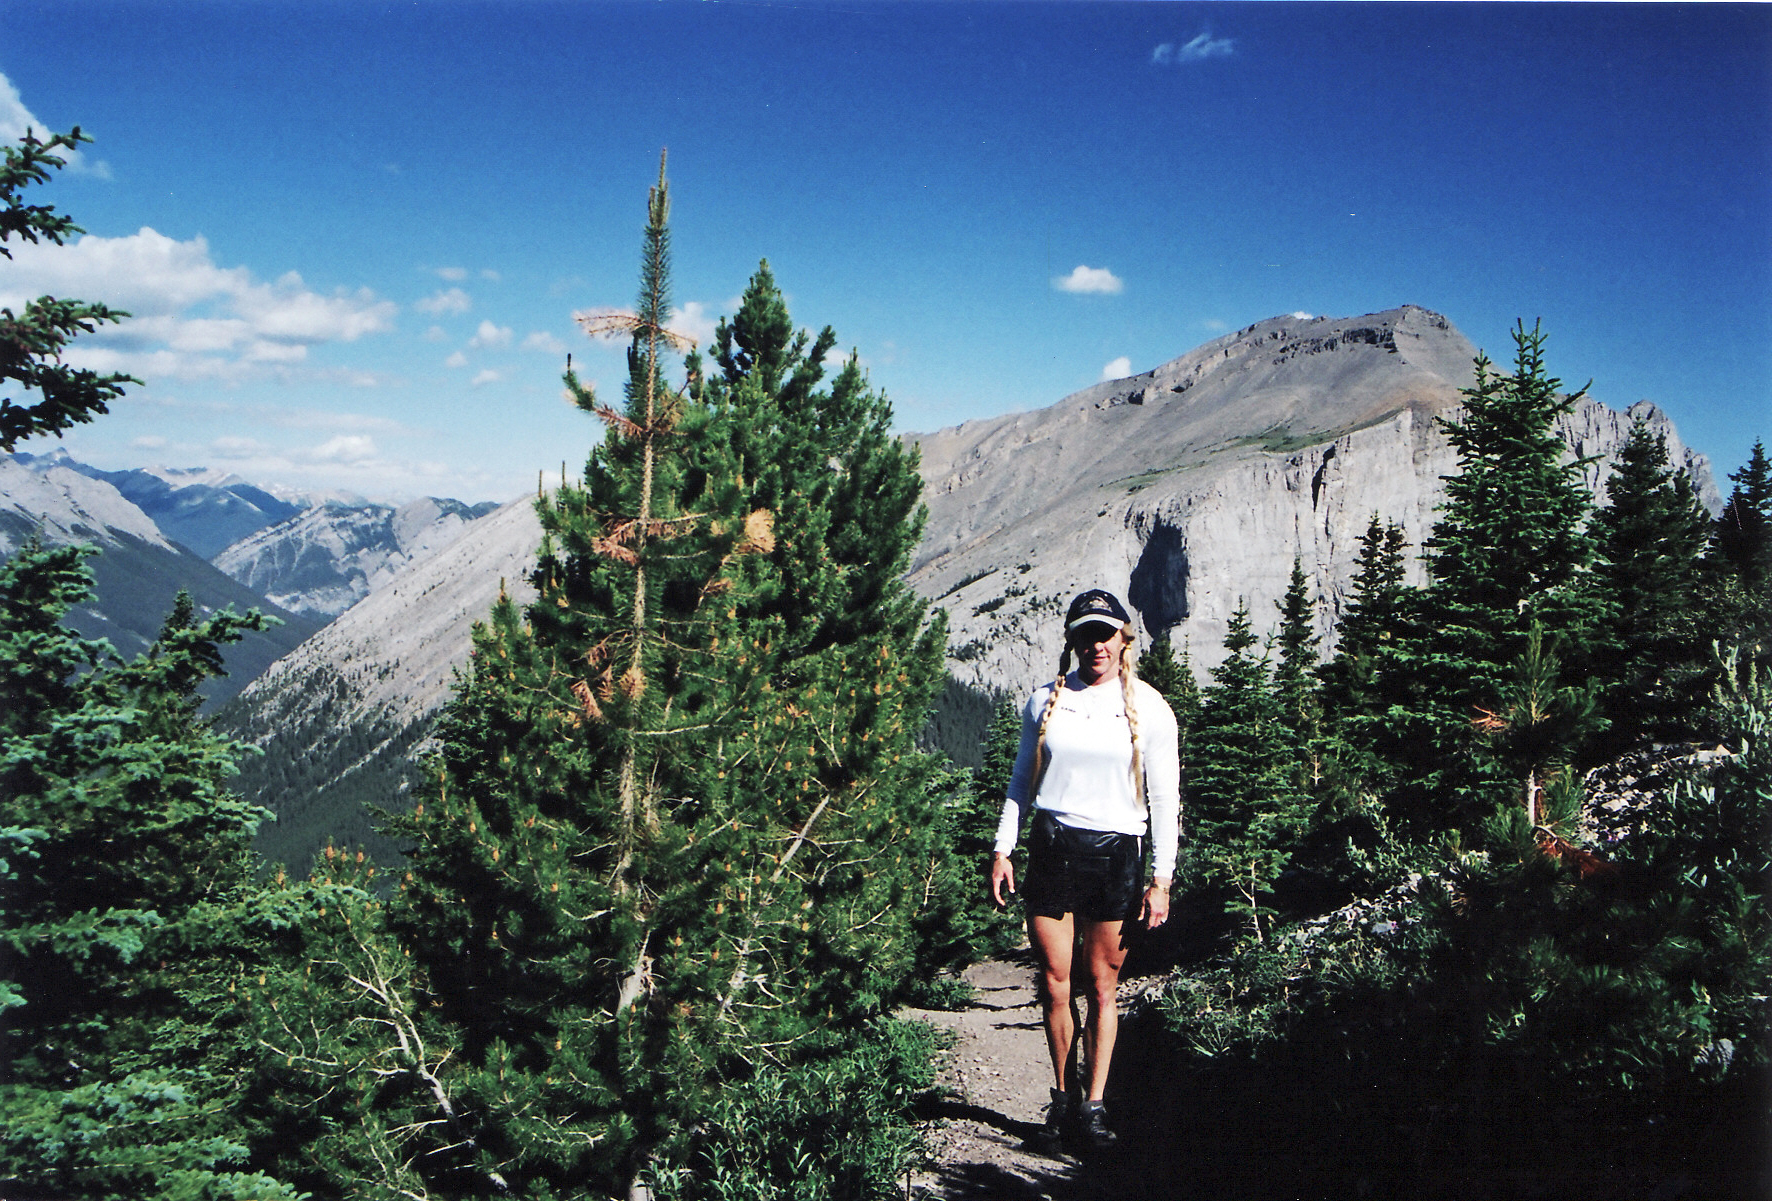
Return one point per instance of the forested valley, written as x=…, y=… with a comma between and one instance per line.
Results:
x=1473, y=906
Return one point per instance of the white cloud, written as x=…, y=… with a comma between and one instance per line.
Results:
x=1089, y=279
x=544, y=342
x=436, y=334
x=1120, y=368
x=452, y=300
x=148, y=442
x=452, y=273
x=491, y=276
x=491, y=335
x=485, y=377
x=694, y=321
x=1215, y=325
x=1303, y=316
x=15, y=119
x=458, y=359
x=1203, y=47
x=191, y=319
x=346, y=448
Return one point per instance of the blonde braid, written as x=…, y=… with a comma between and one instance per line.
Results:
x=1129, y=676
x=1064, y=669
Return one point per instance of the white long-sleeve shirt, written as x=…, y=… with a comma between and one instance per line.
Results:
x=1088, y=780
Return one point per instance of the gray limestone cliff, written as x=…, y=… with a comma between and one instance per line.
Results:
x=1189, y=489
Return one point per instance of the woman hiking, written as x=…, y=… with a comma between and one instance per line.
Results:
x=1099, y=767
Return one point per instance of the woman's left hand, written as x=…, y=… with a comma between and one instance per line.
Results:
x=1156, y=906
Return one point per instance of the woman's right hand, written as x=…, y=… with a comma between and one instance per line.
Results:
x=1002, y=879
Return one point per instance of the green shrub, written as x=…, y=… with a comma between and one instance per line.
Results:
x=837, y=1130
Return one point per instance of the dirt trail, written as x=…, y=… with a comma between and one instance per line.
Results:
x=997, y=1077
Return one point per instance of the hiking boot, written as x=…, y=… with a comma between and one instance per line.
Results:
x=1050, y=1136
x=1092, y=1128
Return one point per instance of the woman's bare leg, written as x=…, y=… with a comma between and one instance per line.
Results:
x=1054, y=939
x=1105, y=951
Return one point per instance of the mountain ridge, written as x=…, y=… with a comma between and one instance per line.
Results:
x=1189, y=488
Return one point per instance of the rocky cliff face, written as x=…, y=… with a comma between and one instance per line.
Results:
x=1191, y=488
x=322, y=561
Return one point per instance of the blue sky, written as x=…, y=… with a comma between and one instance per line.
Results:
x=354, y=235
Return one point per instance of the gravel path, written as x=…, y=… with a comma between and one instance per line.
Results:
x=997, y=1079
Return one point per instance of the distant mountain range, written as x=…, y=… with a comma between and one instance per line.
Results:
x=139, y=570
x=1189, y=489
x=301, y=558
x=322, y=561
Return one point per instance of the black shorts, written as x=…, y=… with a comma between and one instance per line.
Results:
x=1094, y=874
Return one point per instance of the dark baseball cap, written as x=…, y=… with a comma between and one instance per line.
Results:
x=1096, y=607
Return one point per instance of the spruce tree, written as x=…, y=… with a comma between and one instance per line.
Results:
x=1649, y=573
x=1373, y=629
x=1159, y=668
x=1295, y=680
x=1511, y=537
x=1248, y=811
x=1744, y=528
x=1739, y=561
x=32, y=342
x=1508, y=553
x=125, y=864
x=680, y=827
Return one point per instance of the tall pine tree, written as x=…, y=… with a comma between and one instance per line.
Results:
x=680, y=822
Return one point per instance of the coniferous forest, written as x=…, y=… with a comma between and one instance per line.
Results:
x=1474, y=905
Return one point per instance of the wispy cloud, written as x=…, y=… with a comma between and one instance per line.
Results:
x=1203, y=47
x=1119, y=368
x=544, y=342
x=456, y=360
x=485, y=377
x=451, y=300
x=436, y=334
x=1083, y=279
x=453, y=274
x=192, y=319
x=15, y=119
